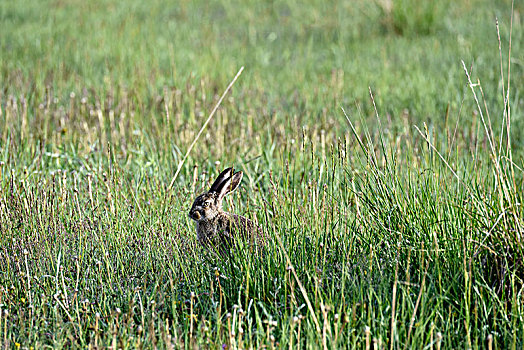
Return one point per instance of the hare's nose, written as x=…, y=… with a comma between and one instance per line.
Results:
x=195, y=215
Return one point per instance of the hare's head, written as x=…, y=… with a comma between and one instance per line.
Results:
x=209, y=204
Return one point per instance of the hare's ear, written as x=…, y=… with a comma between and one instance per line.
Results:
x=224, y=176
x=230, y=185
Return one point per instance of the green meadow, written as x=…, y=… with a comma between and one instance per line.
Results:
x=382, y=149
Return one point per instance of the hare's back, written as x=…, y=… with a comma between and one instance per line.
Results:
x=240, y=226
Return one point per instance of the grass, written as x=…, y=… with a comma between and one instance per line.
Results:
x=394, y=218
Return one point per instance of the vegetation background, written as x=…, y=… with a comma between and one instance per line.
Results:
x=395, y=223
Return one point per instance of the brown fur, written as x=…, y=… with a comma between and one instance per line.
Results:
x=215, y=228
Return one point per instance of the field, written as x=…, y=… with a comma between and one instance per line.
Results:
x=382, y=150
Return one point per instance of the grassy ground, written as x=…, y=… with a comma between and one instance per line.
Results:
x=394, y=228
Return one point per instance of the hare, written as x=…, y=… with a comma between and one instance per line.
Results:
x=215, y=228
